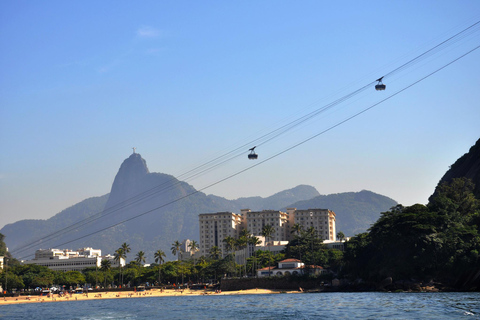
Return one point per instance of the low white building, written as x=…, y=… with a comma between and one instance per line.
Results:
x=290, y=267
x=339, y=245
x=68, y=260
x=275, y=247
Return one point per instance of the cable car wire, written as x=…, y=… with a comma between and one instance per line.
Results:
x=267, y=137
x=239, y=151
x=449, y=41
x=277, y=154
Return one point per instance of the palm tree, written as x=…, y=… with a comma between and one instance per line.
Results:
x=159, y=258
x=119, y=254
x=242, y=243
x=215, y=252
x=176, y=248
x=230, y=244
x=105, y=267
x=244, y=233
x=340, y=236
x=140, y=258
x=125, y=249
x=267, y=232
x=254, y=241
x=312, y=231
x=297, y=228
x=193, y=246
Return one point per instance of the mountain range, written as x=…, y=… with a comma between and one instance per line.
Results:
x=150, y=211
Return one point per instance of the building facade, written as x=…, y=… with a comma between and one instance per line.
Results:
x=256, y=220
x=322, y=220
x=68, y=260
x=215, y=227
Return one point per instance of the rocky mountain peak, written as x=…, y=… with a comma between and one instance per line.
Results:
x=132, y=171
x=134, y=165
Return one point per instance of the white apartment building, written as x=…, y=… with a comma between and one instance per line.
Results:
x=323, y=220
x=68, y=260
x=256, y=220
x=214, y=227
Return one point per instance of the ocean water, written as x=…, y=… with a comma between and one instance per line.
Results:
x=371, y=305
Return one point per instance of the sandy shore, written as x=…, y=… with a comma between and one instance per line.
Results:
x=129, y=295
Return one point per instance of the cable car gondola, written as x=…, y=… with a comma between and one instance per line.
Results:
x=380, y=86
x=252, y=155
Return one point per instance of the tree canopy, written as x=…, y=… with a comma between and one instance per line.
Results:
x=438, y=241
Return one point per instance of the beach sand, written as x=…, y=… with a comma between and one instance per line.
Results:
x=130, y=295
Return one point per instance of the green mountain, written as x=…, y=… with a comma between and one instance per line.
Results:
x=355, y=211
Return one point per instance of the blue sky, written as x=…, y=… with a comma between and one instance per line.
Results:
x=81, y=83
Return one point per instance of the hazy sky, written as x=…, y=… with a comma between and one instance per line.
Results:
x=83, y=82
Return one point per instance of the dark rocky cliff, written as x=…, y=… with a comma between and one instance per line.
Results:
x=467, y=166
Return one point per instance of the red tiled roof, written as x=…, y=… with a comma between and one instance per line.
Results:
x=266, y=269
x=290, y=260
